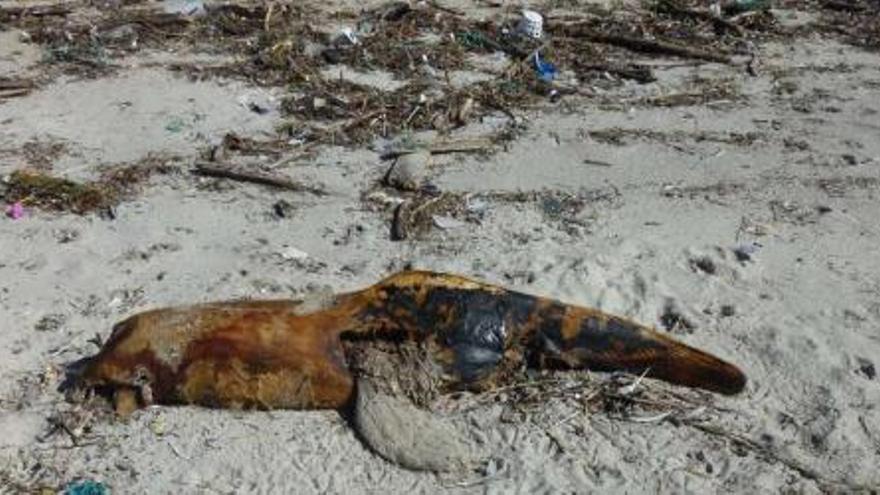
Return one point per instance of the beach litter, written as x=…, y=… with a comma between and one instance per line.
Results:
x=531, y=24
x=86, y=487
x=15, y=211
x=545, y=70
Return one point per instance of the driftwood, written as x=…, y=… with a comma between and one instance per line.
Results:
x=469, y=145
x=641, y=44
x=34, y=10
x=236, y=174
x=10, y=88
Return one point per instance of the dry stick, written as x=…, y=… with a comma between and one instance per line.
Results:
x=600, y=163
x=642, y=45
x=12, y=93
x=212, y=170
x=15, y=83
x=460, y=146
x=10, y=88
x=36, y=11
x=471, y=145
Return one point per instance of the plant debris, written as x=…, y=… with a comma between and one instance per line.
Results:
x=54, y=193
x=241, y=175
x=40, y=189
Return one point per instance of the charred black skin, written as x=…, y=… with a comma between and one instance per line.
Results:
x=480, y=326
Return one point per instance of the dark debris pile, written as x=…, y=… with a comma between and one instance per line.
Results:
x=420, y=47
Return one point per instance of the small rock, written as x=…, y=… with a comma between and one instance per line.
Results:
x=384, y=198
x=866, y=367
x=409, y=171
x=728, y=310
x=157, y=426
x=292, y=253
x=447, y=223
x=283, y=209
x=744, y=252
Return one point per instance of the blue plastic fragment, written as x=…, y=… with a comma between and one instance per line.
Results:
x=546, y=71
x=86, y=487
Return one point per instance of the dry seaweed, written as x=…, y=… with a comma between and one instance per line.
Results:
x=41, y=190
x=54, y=193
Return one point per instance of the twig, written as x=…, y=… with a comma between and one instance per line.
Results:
x=412, y=115
x=212, y=170
x=641, y=44
x=590, y=161
x=176, y=451
x=444, y=147
x=631, y=388
x=567, y=419
x=267, y=20
x=12, y=93
x=472, y=483
x=284, y=161
x=35, y=10
x=6, y=83
x=561, y=444
x=460, y=146
x=10, y=88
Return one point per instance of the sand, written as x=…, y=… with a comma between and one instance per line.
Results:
x=666, y=204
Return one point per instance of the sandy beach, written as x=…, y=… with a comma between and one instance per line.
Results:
x=731, y=205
